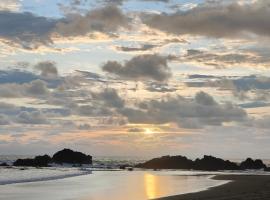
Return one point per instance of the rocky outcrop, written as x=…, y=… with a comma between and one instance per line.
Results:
x=38, y=161
x=210, y=163
x=72, y=157
x=64, y=156
x=207, y=163
x=252, y=164
x=167, y=162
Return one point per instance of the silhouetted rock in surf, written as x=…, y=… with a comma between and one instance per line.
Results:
x=167, y=162
x=64, y=156
x=72, y=157
x=252, y=164
x=38, y=161
x=210, y=163
x=207, y=163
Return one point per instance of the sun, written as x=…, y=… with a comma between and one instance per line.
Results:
x=148, y=131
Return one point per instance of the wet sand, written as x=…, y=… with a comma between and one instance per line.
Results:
x=241, y=187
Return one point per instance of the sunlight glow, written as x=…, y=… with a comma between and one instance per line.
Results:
x=148, y=131
x=150, y=186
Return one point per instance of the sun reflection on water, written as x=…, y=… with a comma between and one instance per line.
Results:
x=151, y=183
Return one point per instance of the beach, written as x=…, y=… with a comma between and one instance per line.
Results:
x=241, y=187
x=119, y=185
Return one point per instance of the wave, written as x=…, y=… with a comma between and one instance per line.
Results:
x=24, y=175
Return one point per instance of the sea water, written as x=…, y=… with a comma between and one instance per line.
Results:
x=110, y=185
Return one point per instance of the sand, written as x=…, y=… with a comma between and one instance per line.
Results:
x=241, y=187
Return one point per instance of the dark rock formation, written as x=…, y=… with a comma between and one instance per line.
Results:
x=167, y=162
x=210, y=163
x=4, y=164
x=267, y=169
x=207, y=163
x=252, y=164
x=72, y=157
x=38, y=161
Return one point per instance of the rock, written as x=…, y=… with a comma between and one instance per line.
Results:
x=267, y=169
x=4, y=164
x=72, y=157
x=38, y=161
x=167, y=162
x=123, y=167
x=210, y=163
x=252, y=164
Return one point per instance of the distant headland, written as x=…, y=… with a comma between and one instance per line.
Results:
x=207, y=163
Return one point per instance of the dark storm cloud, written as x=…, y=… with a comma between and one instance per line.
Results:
x=215, y=20
x=142, y=67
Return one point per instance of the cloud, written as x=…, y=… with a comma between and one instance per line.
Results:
x=10, y=5
x=106, y=20
x=215, y=20
x=110, y=98
x=25, y=29
x=142, y=67
x=35, y=117
x=47, y=69
x=221, y=59
x=36, y=88
x=17, y=76
x=30, y=31
x=136, y=130
x=143, y=47
x=3, y=120
x=159, y=87
x=187, y=113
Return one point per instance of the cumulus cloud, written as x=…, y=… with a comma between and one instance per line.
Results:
x=110, y=98
x=25, y=29
x=47, y=69
x=35, y=88
x=107, y=20
x=30, y=31
x=142, y=67
x=188, y=113
x=216, y=20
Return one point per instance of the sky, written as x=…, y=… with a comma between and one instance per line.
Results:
x=135, y=77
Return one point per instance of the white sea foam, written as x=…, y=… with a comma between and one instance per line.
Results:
x=30, y=174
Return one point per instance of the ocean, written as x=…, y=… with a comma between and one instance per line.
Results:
x=102, y=182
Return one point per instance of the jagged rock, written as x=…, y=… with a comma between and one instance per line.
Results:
x=210, y=163
x=72, y=157
x=252, y=164
x=167, y=162
x=38, y=161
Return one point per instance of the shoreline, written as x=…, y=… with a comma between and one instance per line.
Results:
x=81, y=172
x=239, y=187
